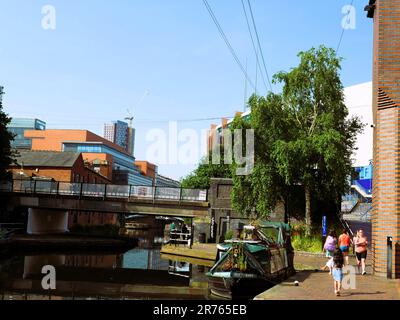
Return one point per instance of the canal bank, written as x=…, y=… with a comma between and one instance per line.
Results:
x=202, y=254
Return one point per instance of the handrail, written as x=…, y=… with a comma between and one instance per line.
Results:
x=344, y=223
x=187, y=235
x=104, y=191
x=64, y=181
x=364, y=215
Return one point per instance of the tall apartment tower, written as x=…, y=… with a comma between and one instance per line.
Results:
x=122, y=134
x=386, y=115
x=118, y=133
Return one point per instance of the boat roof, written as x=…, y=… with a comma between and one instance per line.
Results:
x=251, y=246
x=266, y=224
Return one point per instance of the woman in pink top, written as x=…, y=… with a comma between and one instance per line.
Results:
x=360, y=242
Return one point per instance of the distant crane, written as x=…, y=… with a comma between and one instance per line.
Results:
x=130, y=115
x=129, y=118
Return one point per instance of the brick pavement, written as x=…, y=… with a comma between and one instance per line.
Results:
x=318, y=285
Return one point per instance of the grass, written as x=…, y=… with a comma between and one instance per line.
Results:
x=308, y=244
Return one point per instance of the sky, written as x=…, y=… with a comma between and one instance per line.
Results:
x=164, y=60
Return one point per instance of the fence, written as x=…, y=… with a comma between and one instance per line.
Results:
x=177, y=237
x=103, y=191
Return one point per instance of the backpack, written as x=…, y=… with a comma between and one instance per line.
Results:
x=330, y=244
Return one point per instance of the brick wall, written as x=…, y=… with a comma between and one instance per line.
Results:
x=386, y=188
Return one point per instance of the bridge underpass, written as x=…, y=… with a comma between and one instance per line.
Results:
x=49, y=202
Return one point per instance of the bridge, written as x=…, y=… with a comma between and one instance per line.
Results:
x=48, y=202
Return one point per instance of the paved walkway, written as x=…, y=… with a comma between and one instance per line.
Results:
x=312, y=262
x=318, y=285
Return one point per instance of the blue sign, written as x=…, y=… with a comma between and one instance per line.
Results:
x=324, y=226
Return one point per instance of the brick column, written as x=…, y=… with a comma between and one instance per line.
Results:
x=386, y=103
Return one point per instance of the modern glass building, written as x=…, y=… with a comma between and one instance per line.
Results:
x=18, y=126
x=124, y=169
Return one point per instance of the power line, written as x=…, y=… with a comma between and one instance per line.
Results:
x=232, y=51
x=343, y=30
x=144, y=121
x=252, y=41
x=259, y=45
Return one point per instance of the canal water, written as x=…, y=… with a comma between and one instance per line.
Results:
x=139, y=272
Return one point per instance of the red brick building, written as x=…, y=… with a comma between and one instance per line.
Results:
x=386, y=114
x=146, y=168
x=65, y=167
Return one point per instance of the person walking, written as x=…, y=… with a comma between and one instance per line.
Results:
x=337, y=271
x=172, y=231
x=330, y=244
x=329, y=248
x=185, y=231
x=360, y=243
x=344, y=245
x=328, y=265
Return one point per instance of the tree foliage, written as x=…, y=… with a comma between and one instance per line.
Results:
x=5, y=138
x=304, y=138
x=322, y=136
x=200, y=177
x=259, y=192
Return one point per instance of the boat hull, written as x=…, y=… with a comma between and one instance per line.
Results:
x=237, y=288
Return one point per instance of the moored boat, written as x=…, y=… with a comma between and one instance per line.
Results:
x=253, y=263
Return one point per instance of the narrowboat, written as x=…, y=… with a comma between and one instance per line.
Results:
x=252, y=263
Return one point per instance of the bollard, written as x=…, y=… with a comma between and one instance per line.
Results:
x=389, y=257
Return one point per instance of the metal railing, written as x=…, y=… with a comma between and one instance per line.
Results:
x=104, y=191
x=344, y=223
x=366, y=216
x=178, y=237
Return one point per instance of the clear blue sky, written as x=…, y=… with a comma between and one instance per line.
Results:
x=104, y=55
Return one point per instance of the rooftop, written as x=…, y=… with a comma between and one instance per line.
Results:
x=46, y=159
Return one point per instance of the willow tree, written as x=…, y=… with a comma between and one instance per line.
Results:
x=5, y=138
x=317, y=154
x=259, y=192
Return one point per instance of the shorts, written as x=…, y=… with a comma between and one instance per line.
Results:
x=329, y=254
x=361, y=255
x=344, y=248
x=337, y=274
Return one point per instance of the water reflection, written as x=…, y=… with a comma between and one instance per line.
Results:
x=139, y=273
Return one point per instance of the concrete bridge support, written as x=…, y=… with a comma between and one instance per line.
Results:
x=42, y=221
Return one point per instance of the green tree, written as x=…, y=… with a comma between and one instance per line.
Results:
x=317, y=152
x=200, y=177
x=259, y=192
x=5, y=138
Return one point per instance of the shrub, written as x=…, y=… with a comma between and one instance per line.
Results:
x=309, y=244
x=229, y=235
